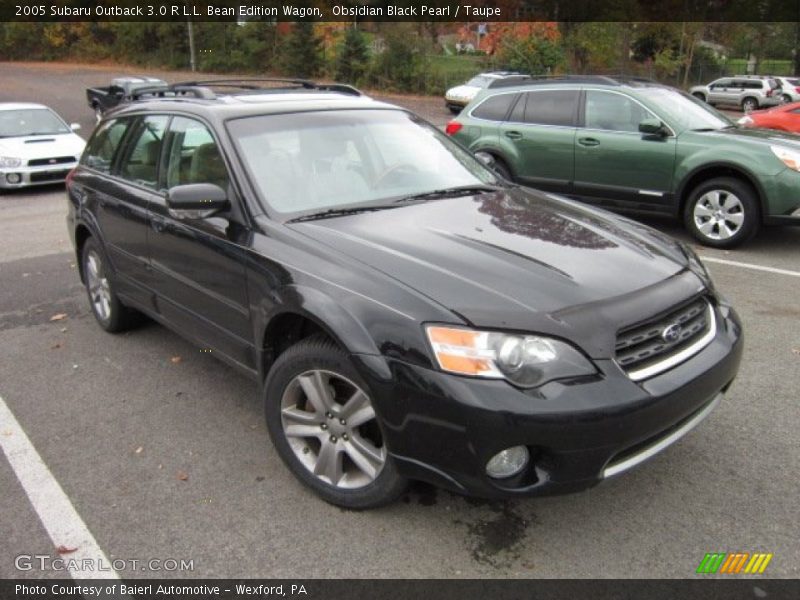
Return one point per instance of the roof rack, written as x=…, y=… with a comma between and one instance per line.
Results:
x=204, y=90
x=545, y=79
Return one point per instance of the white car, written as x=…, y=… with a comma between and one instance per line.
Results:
x=458, y=97
x=790, y=89
x=36, y=146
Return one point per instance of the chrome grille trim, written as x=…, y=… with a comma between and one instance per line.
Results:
x=671, y=360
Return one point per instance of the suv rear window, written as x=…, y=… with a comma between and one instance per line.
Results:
x=494, y=108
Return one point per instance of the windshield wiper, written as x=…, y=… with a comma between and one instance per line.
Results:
x=452, y=192
x=336, y=212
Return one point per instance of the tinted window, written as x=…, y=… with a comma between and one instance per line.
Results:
x=720, y=83
x=551, y=107
x=751, y=85
x=613, y=112
x=192, y=155
x=793, y=81
x=494, y=108
x=141, y=163
x=101, y=148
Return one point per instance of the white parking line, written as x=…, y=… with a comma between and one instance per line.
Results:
x=733, y=263
x=64, y=525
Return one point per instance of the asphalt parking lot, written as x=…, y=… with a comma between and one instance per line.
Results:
x=163, y=454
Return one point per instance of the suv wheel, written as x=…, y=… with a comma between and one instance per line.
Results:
x=501, y=168
x=322, y=422
x=749, y=105
x=110, y=313
x=722, y=212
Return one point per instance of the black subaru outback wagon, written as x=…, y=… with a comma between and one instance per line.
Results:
x=410, y=314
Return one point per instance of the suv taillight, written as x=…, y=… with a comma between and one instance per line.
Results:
x=453, y=127
x=769, y=93
x=797, y=89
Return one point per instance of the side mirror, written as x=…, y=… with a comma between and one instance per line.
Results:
x=652, y=127
x=75, y=126
x=486, y=158
x=196, y=200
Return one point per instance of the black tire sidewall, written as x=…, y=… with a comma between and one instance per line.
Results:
x=749, y=102
x=318, y=352
x=747, y=197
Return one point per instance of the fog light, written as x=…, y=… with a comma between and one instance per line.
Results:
x=508, y=463
x=13, y=178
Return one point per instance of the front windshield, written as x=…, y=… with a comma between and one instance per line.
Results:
x=479, y=81
x=683, y=111
x=30, y=121
x=314, y=161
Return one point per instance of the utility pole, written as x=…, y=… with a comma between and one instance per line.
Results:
x=192, y=57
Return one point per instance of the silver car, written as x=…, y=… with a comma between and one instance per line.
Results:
x=748, y=92
x=790, y=89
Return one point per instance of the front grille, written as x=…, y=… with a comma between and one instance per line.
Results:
x=641, y=348
x=49, y=176
x=57, y=160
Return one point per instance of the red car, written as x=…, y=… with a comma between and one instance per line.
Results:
x=785, y=117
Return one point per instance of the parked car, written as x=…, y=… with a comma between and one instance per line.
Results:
x=36, y=146
x=790, y=89
x=638, y=146
x=748, y=92
x=785, y=117
x=121, y=89
x=458, y=97
x=410, y=314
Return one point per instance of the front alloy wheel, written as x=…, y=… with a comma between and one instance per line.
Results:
x=722, y=212
x=322, y=421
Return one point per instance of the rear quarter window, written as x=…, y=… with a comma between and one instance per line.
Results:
x=494, y=108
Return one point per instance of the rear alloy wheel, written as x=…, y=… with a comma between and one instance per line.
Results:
x=722, y=212
x=110, y=313
x=749, y=105
x=323, y=424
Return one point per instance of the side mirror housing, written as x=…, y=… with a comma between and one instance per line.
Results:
x=652, y=127
x=196, y=200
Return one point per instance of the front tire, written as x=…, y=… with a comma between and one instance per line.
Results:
x=322, y=422
x=722, y=212
x=108, y=310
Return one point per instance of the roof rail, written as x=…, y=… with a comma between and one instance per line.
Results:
x=173, y=91
x=251, y=83
x=545, y=79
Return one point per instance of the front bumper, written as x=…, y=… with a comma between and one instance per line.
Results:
x=29, y=176
x=443, y=429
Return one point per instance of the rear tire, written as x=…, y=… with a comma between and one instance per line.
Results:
x=108, y=310
x=749, y=105
x=722, y=212
x=501, y=168
x=322, y=422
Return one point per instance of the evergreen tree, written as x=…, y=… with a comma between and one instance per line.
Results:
x=302, y=51
x=353, y=57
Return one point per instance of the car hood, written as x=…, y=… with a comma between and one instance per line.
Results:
x=747, y=134
x=495, y=258
x=42, y=146
x=463, y=91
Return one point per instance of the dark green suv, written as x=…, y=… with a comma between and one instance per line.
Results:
x=637, y=146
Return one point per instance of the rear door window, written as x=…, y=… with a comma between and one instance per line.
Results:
x=103, y=146
x=494, y=108
x=140, y=164
x=551, y=107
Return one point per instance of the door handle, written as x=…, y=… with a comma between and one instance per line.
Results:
x=588, y=142
x=513, y=135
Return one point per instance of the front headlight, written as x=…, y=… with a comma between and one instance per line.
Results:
x=9, y=162
x=524, y=360
x=789, y=157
